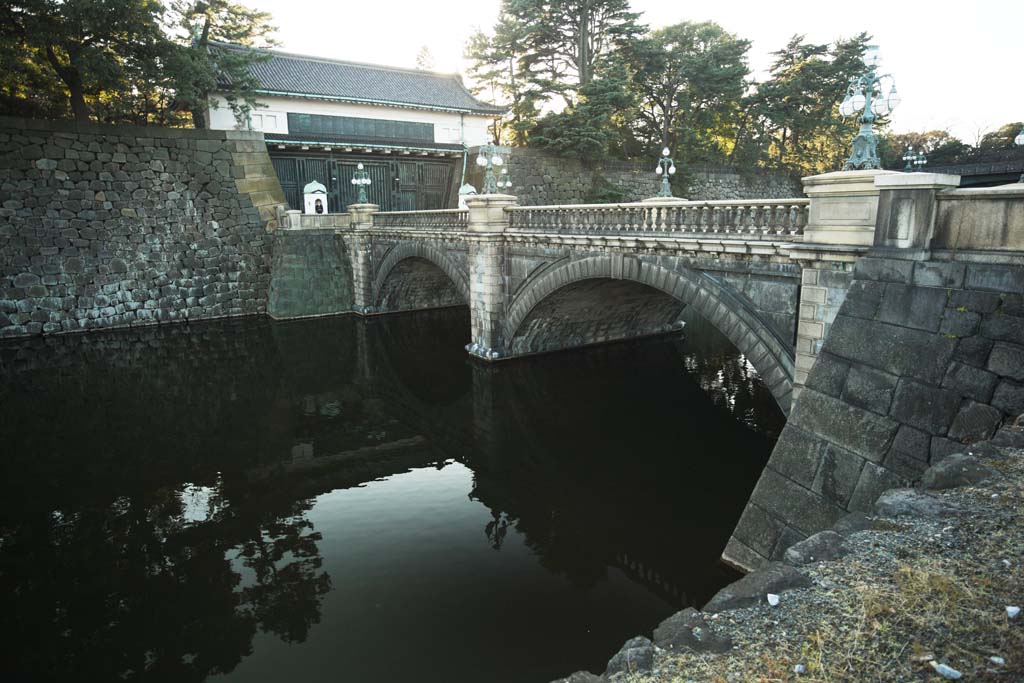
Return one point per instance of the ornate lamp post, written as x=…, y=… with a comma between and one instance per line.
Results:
x=865, y=95
x=666, y=167
x=1019, y=141
x=504, y=181
x=361, y=179
x=913, y=160
x=488, y=158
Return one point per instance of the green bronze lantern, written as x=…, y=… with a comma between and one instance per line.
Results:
x=361, y=179
x=666, y=167
x=488, y=159
x=866, y=95
x=914, y=161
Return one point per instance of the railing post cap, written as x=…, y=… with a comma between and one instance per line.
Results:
x=474, y=200
x=665, y=200
x=844, y=182
x=917, y=181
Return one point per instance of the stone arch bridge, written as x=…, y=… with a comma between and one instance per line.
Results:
x=901, y=291
x=543, y=279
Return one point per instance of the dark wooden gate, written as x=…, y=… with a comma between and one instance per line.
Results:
x=397, y=184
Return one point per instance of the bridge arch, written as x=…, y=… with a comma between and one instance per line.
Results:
x=730, y=313
x=425, y=252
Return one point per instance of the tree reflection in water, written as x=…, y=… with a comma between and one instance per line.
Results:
x=161, y=485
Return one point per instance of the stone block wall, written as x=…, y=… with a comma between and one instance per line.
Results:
x=922, y=358
x=112, y=226
x=311, y=274
x=539, y=178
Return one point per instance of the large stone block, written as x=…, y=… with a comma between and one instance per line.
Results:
x=939, y=274
x=884, y=270
x=1009, y=397
x=995, y=278
x=874, y=480
x=797, y=455
x=837, y=475
x=863, y=299
x=973, y=350
x=1003, y=327
x=845, y=425
x=758, y=530
x=975, y=422
x=970, y=381
x=1007, y=360
x=910, y=306
x=828, y=375
x=897, y=350
x=870, y=389
x=925, y=407
x=802, y=509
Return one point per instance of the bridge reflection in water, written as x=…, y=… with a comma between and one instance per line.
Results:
x=356, y=498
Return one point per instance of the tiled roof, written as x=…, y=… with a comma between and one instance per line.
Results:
x=306, y=76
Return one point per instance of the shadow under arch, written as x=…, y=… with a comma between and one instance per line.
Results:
x=411, y=256
x=732, y=315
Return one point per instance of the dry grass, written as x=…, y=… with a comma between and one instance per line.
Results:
x=908, y=597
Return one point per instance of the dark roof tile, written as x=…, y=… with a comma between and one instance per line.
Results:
x=317, y=77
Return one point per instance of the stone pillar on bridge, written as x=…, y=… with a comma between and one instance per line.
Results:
x=840, y=228
x=487, y=223
x=359, y=248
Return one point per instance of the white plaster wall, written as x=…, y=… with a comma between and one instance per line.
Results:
x=470, y=129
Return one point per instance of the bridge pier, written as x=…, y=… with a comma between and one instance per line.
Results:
x=360, y=253
x=487, y=223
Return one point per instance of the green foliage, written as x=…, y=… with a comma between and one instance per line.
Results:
x=589, y=128
x=207, y=63
x=97, y=50
x=134, y=61
x=690, y=79
x=795, y=120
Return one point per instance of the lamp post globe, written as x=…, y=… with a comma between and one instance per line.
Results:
x=489, y=158
x=361, y=179
x=866, y=97
x=666, y=167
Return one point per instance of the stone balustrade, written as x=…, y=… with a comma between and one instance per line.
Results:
x=441, y=219
x=748, y=219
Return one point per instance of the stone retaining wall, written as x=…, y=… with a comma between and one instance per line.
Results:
x=104, y=226
x=922, y=358
x=311, y=274
x=539, y=178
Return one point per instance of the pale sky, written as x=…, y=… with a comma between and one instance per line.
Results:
x=958, y=65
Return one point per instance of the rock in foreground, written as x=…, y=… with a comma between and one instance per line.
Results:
x=752, y=588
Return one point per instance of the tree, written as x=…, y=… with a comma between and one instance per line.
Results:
x=91, y=46
x=565, y=39
x=497, y=75
x=219, y=55
x=690, y=79
x=1001, y=138
x=794, y=114
x=425, y=59
x=590, y=127
x=891, y=148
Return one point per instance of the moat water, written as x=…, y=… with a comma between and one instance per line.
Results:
x=357, y=500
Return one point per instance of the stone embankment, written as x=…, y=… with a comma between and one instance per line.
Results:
x=123, y=226
x=926, y=588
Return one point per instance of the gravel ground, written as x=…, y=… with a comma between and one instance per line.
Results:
x=913, y=595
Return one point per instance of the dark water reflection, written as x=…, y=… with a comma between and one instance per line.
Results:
x=351, y=500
